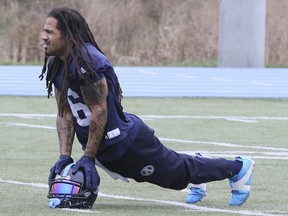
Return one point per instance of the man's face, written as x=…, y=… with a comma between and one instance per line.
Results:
x=54, y=43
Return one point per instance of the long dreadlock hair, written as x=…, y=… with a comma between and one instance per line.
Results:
x=73, y=27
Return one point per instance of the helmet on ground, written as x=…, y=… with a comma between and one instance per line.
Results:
x=67, y=190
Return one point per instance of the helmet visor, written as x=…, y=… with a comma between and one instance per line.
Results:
x=65, y=188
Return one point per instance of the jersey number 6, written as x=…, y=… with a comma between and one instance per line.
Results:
x=79, y=110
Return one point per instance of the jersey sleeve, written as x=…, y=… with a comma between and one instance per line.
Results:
x=98, y=65
x=93, y=72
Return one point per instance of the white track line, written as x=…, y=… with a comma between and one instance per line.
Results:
x=172, y=203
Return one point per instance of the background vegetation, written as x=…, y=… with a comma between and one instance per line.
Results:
x=137, y=32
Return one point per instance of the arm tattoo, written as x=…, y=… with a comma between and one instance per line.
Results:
x=95, y=97
x=96, y=131
x=93, y=93
x=66, y=136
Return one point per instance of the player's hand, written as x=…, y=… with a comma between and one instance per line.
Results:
x=62, y=162
x=87, y=165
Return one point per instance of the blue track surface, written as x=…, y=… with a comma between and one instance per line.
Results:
x=166, y=82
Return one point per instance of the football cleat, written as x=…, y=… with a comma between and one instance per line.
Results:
x=196, y=193
x=241, y=183
x=68, y=190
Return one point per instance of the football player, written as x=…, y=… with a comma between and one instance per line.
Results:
x=88, y=97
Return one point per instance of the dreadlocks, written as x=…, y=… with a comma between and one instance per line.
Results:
x=73, y=27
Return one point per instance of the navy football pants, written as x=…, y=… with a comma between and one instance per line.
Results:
x=148, y=160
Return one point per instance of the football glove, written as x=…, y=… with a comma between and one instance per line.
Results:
x=87, y=165
x=62, y=162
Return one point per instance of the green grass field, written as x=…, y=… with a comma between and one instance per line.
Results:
x=216, y=127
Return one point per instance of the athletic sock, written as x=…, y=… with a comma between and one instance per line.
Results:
x=236, y=166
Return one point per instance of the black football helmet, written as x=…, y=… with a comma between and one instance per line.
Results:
x=68, y=191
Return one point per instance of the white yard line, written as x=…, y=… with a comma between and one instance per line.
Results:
x=241, y=118
x=224, y=144
x=254, y=155
x=27, y=115
x=172, y=203
x=230, y=145
x=213, y=117
x=31, y=126
x=81, y=210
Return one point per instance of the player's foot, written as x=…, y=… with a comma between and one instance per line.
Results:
x=240, y=184
x=196, y=193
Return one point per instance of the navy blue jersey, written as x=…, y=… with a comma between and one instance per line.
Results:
x=118, y=122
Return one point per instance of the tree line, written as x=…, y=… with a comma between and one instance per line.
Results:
x=137, y=32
